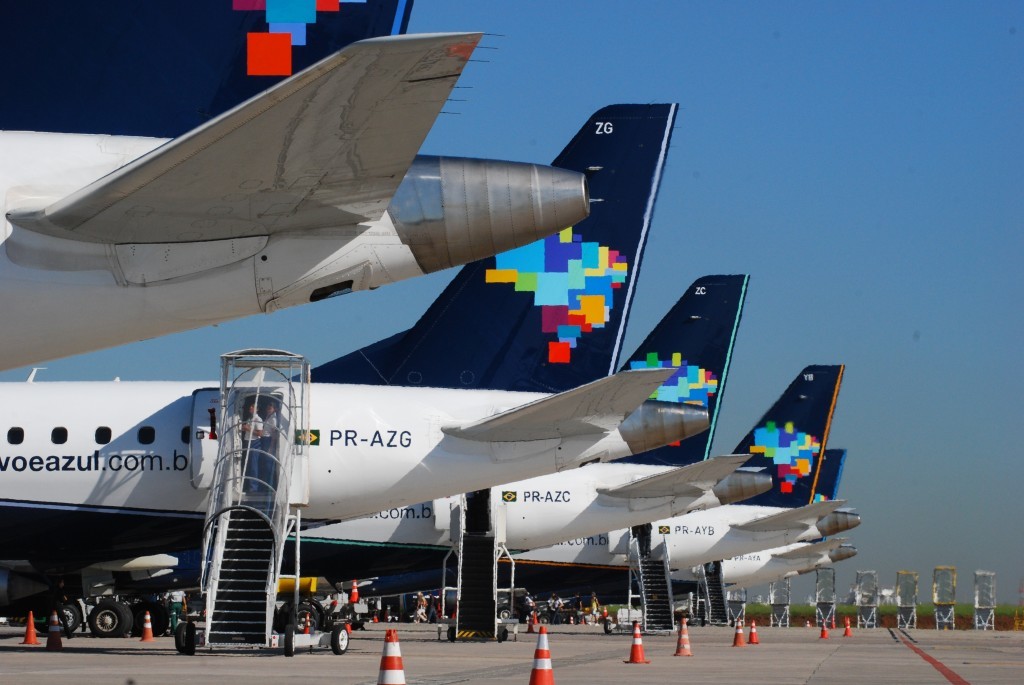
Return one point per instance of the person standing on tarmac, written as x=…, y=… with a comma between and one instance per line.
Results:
x=177, y=601
x=58, y=598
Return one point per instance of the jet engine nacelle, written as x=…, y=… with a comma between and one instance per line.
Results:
x=741, y=485
x=842, y=552
x=451, y=211
x=656, y=424
x=837, y=522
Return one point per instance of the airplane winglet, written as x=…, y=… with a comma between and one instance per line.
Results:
x=792, y=519
x=812, y=550
x=326, y=148
x=686, y=481
x=590, y=409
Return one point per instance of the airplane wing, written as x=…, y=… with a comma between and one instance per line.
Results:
x=813, y=550
x=686, y=481
x=326, y=148
x=792, y=519
x=590, y=409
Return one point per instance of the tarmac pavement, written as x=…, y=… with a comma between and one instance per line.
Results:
x=579, y=655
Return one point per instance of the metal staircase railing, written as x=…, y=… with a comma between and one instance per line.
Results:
x=263, y=400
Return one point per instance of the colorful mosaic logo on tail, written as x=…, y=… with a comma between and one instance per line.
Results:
x=270, y=54
x=572, y=281
x=791, y=451
x=690, y=384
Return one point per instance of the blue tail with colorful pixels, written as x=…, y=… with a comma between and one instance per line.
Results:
x=549, y=316
x=696, y=337
x=830, y=472
x=160, y=69
x=790, y=438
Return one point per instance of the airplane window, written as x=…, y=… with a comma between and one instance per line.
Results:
x=185, y=432
x=59, y=435
x=16, y=436
x=102, y=435
x=147, y=434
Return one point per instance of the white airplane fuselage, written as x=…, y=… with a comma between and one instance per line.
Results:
x=539, y=511
x=63, y=297
x=379, y=448
x=694, y=538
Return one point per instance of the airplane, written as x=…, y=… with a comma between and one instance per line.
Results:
x=766, y=566
x=785, y=514
x=308, y=190
x=134, y=480
x=545, y=510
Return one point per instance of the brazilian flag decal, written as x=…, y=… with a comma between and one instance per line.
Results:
x=311, y=438
x=508, y=495
x=664, y=530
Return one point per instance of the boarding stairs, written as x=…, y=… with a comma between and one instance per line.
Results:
x=478, y=542
x=651, y=585
x=711, y=605
x=259, y=486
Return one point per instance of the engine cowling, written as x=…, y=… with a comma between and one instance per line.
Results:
x=452, y=210
x=742, y=484
x=655, y=424
x=838, y=521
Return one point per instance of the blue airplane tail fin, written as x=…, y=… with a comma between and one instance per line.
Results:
x=696, y=337
x=830, y=473
x=791, y=437
x=548, y=316
x=160, y=69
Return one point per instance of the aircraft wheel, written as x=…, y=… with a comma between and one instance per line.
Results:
x=289, y=640
x=107, y=619
x=451, y=633
x=179, y=637
x=71, y=616
x=190, y=639
x=339, y=639
x=607, y=627
x=502, y=635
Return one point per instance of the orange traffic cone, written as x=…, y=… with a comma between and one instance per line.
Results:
x=147, y=629
x=824, y=631
x=542, y=673
x=30, y=632
x=53, y=643
x=737, y=640
x=353, y=596
x=531, y=621
x=636, y=653
x=753, y=640
x=847, y=632
x=683, y=643
x=392, y=672
x=833, y=621
x=305, y=625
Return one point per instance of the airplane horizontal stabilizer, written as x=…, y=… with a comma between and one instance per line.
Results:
x=326, y=148
x=685, y=481
x=792, y=519
x=590, y=409
x=812, y=550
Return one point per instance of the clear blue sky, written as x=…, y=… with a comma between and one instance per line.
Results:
x=864, y=162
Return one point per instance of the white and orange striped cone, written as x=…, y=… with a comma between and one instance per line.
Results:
x=824, y=631
x=392, y=672
x=737, y=640
x=848, y=632
x=30, y=632
x=353, y=596
x=683, y=643
x=753, y=639
x=53, y=643
x=147, y=629
x=531, y=621
x=636, y=653
x=542, y=674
